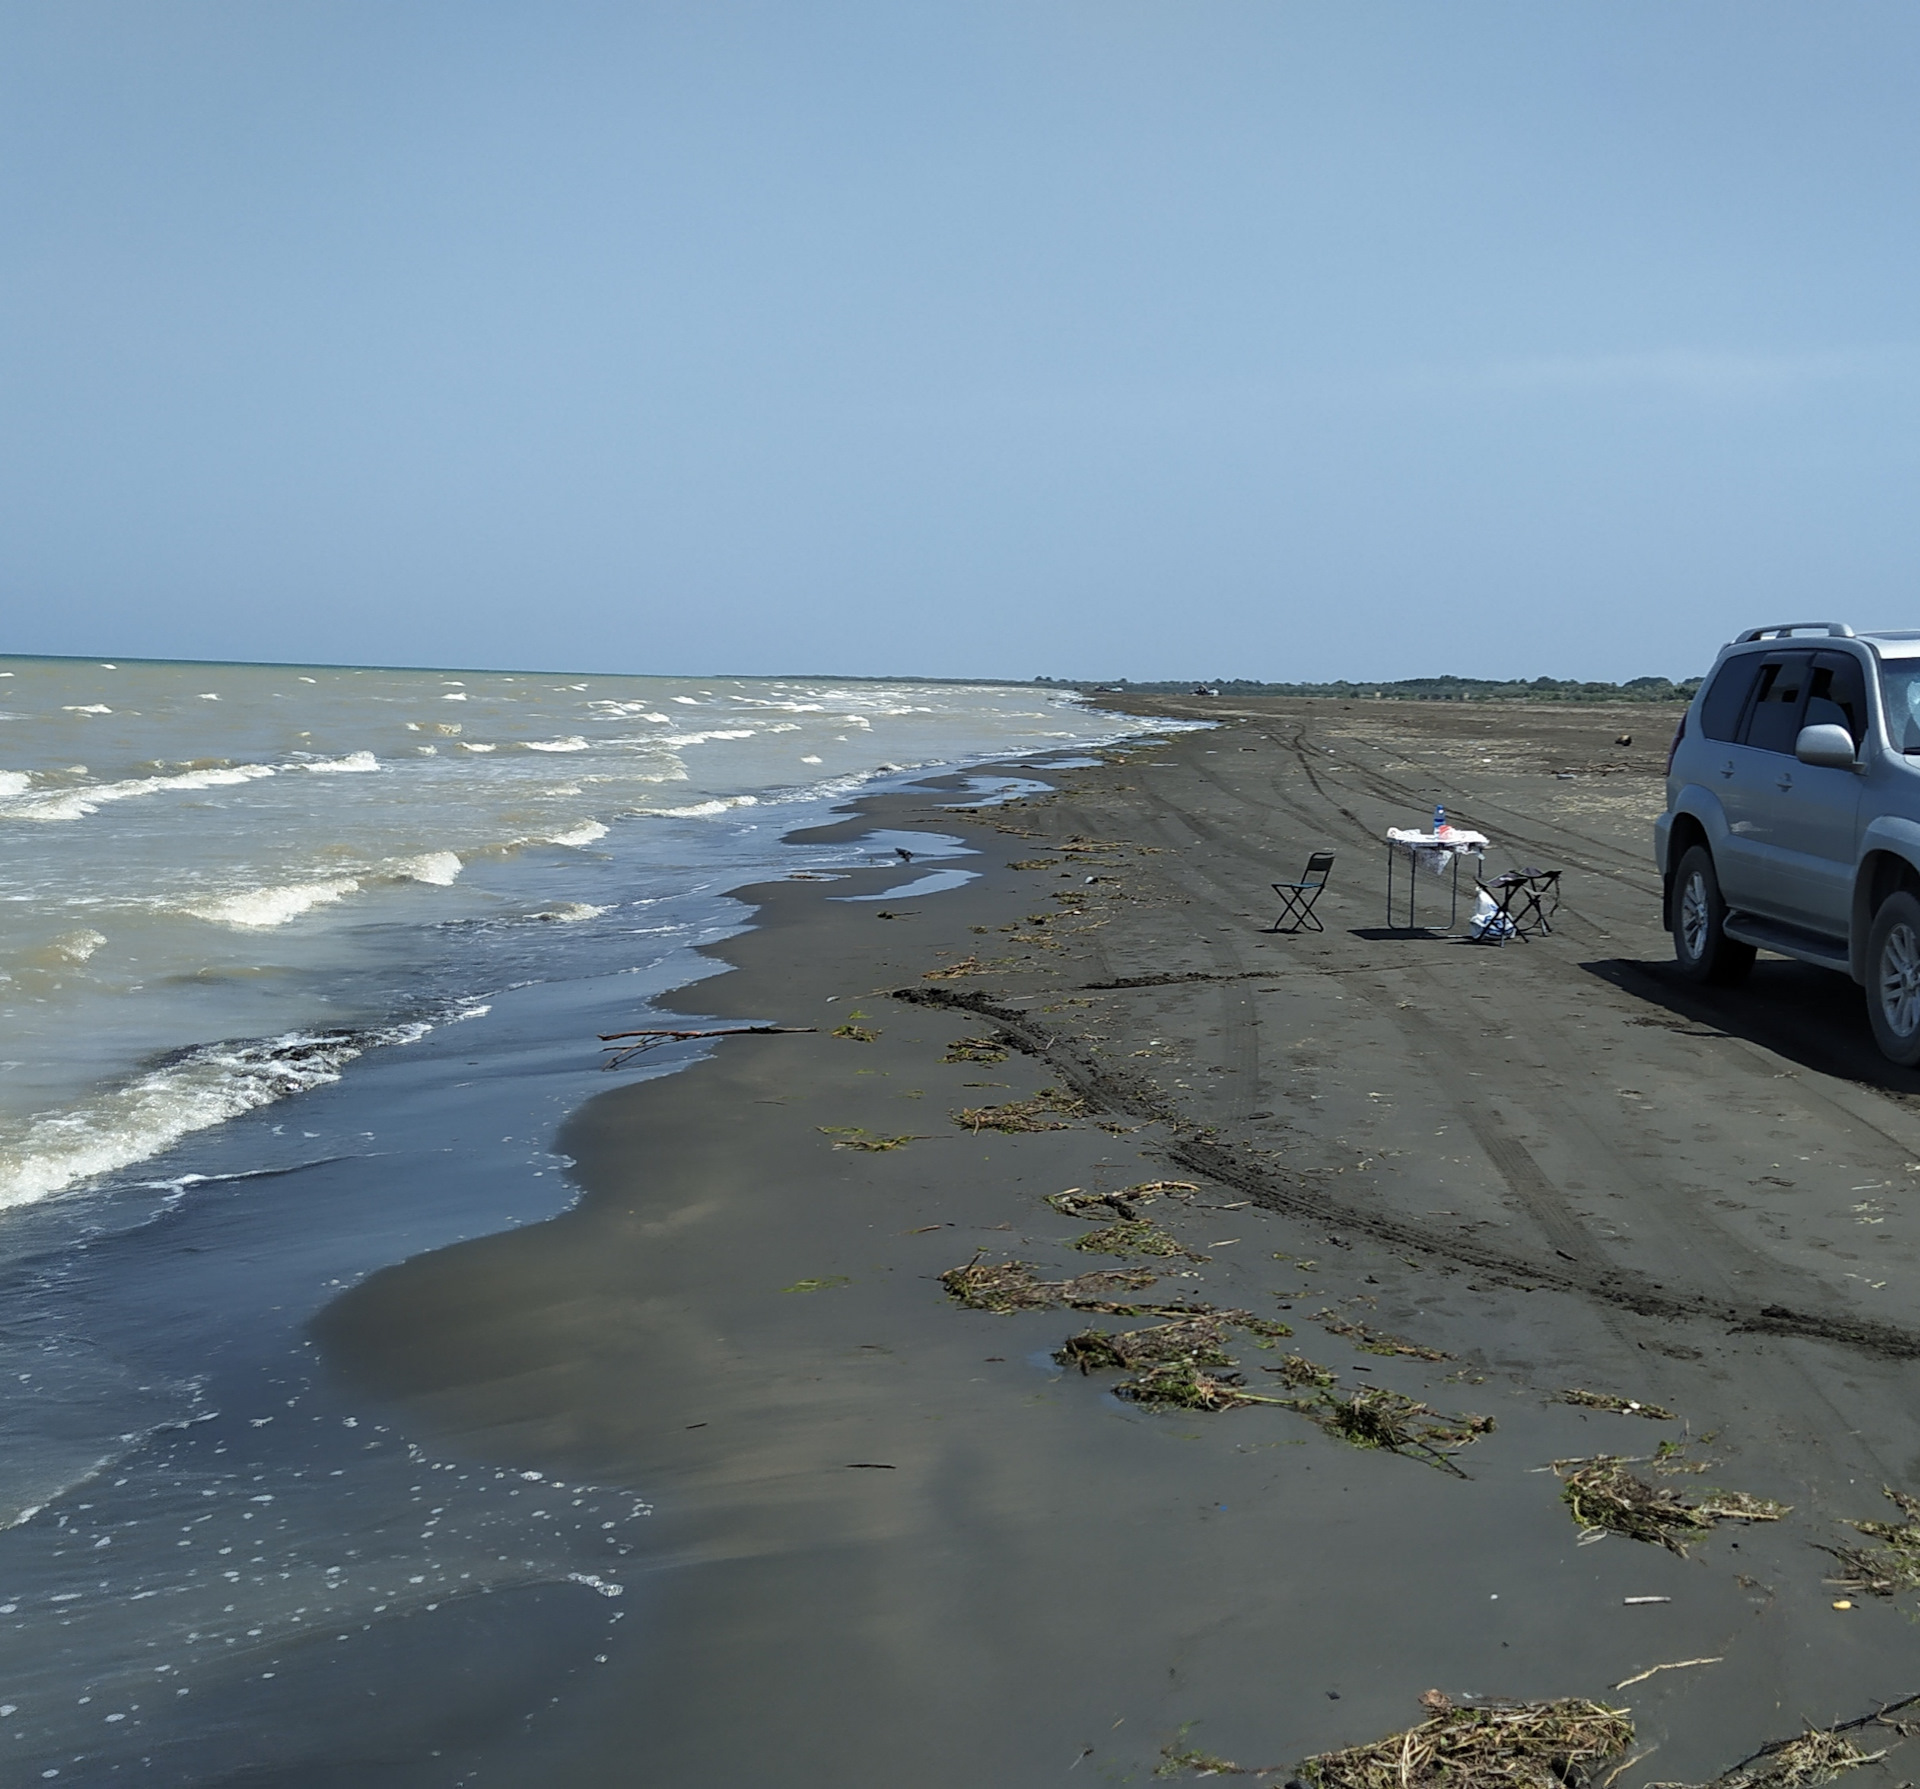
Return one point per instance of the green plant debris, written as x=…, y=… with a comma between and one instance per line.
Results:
x=1200, y=1337
x=1013, y=1286
x=1297, y=1370
x=1199, y=1340
x=858, y=1034
x=1133, y=1236
x=1489, y=1745
x=1048, y=1110
x=825, y=1283
x=1600, y=1400
x=1374, y=1341
x=1817, y=1755
x=1033, y=863
x=1125, y=1203
x=1202, y=1764
x=975, y=1049
x=1373, y=1416
x=1187, y=1385
x=1888, y=1570
x=853, y=1136
x=1601, y=1493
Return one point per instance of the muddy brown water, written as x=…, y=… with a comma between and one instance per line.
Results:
x=896, y=1542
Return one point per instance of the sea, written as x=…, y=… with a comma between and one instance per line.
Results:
x=301, y=968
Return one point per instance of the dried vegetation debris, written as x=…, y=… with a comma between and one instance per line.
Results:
x=1133, y=1236
x=1048, y=1110
x=1375, y=1416
x=976, y=1049
x=1600, y=1400
x=1814, y=1755
x=1125, y=1203
x=1886, y=1570
x=1013, y=1286
x=854, y=1136
x=1489, y=1745
x=1374, y=1341
x=1601, y=1493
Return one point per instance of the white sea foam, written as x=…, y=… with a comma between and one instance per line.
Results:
x=437, y=867
x=84, y=708
x=76, y=947
x=255, y=909
x=583, y=834
x=471, y=745
x=575, y=744
x=14, y=782
x=705, y=810
x=89, y=798
x=354, y=763
x=679, y=739
x=570, y=913
x=202, y=1087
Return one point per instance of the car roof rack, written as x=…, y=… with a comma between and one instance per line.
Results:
x=1836, y=629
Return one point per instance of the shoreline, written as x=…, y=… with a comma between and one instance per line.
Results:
x=931, y=1551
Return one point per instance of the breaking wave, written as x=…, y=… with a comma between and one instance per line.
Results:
x=200, y=1087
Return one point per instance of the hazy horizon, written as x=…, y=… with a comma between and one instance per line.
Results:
x=1289, y=342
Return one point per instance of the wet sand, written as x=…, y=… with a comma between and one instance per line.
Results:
x=895, y=1541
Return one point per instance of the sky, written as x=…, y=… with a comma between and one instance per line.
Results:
x=1086, y=338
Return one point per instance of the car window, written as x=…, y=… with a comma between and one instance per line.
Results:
x=1773, y=722
x=1726, y=698
x=1900, y=695
x=1837, y=696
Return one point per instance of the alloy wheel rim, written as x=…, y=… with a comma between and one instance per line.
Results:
x=1693, y=916
x=1900, y=980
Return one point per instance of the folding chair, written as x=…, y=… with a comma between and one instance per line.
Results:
x=1529, y=898
x=1298, y=897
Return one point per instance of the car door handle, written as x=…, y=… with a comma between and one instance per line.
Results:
x=1726, y=769
x=1785, y=783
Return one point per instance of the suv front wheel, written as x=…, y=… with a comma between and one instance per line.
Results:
x=1893, y=978
x=1700, y=943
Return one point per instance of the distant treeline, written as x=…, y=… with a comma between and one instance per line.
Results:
x=1415, y=689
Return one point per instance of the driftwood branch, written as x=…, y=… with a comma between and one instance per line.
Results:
x=650, y=1037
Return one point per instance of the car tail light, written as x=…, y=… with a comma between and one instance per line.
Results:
x=1679, y=733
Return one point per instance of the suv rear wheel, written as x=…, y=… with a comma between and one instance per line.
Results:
x=1700, y=943
x=1893, y=978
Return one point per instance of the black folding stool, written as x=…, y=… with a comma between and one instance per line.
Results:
x=1529, y=898
x=1299, y=897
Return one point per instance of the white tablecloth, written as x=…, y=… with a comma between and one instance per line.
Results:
x=1435, y=851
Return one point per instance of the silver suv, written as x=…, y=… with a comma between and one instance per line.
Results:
x=1793, y=816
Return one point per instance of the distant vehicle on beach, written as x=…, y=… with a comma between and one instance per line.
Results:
x=1793, y=816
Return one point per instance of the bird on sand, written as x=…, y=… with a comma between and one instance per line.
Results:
x=904, y=855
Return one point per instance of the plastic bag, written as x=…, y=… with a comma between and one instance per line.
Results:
x=1489, y=925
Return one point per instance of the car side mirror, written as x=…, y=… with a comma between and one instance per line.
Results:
x=1828, y=746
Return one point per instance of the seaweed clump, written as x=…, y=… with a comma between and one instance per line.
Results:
x=975, y=1049
x=1125, y=1203
x=1133, y=1236
x=1887, y=1570
x=1498, y=1745
x=1374, y=1416
x=1815, y=1755
x=1200, y=1340
x=1048, y=1110
x=1374, y=1341
x=1012, y=1286
x=1602, y=1494
x=1601, y=1400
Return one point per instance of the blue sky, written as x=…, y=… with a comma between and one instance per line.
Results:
x=1225, y=338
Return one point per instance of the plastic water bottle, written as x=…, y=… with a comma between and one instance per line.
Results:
x=1439, y=818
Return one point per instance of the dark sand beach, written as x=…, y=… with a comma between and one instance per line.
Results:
x=896, y=1541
